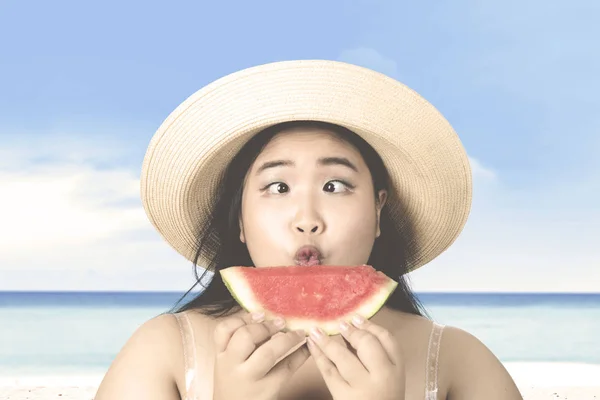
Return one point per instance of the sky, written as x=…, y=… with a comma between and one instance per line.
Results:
x=84, y=86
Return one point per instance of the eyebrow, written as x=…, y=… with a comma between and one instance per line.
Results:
x=324, y=161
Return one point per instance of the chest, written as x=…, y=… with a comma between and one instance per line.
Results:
x=419, y=348
x=307, y=383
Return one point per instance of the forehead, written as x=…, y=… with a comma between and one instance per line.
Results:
x=313, y=141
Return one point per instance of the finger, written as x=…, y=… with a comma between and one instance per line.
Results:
x=348, y=365
x=386, y=338
x=329, y=371
x=265, y=357
x=249, y=337
x=290, y=364
x=226, y=328
x=368, y=348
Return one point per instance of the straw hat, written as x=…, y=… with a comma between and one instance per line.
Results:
x=429, y=169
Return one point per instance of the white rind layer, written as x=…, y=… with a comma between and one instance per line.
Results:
x=235, y=282
x=241, y=291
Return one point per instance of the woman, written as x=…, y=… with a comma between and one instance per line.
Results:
x=263, y=162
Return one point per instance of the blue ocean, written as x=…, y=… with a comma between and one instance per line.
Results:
x=69, y=332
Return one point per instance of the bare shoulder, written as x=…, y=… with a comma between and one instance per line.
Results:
x=474, y=372
x=414, y=329
x=146, y=365
x=467, y=368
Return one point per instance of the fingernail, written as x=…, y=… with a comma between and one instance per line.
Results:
x=279, y=322
x=258, y=315
x=316, y=334
x=357, y=319
x=344, y=326
x=310, y=344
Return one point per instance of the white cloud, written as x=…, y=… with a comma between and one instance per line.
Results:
x=24, y=150
x=479, y=171
x=64, y=206
x=63, y=217
x=526, y=239
x=370, y=58
x=67, y=205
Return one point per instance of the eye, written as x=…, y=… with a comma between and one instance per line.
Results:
x=280, y=187
x=331, y=185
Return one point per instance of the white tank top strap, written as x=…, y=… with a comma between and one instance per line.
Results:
x=189, y=356
x=433, y=354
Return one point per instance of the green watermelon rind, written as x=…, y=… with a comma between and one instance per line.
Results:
x=243, y=294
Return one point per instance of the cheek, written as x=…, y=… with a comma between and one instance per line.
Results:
x=353, y=230
x=356, y=226
x=357, y=215
x=264, y=227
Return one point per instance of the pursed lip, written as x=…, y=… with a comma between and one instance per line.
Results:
x=308, y=255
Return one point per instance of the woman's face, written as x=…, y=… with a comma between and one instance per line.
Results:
x=300, y=192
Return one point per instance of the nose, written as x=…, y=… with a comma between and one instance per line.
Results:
x=308, y=222
x=309, y=227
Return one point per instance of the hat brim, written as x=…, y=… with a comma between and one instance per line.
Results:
x=428, y=166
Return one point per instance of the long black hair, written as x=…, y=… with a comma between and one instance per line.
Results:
x=221, y=232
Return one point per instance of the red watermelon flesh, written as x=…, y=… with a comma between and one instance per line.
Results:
x=310, y=296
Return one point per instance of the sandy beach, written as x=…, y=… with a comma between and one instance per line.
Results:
x=535, y=380
x=556, y=380
x=49, y=387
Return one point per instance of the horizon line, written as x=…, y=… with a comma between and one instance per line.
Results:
x=197, y=292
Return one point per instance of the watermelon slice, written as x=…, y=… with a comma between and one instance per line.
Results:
x=310, y=296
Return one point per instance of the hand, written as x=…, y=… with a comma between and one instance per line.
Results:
x=249, y=363
x=374, y=371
